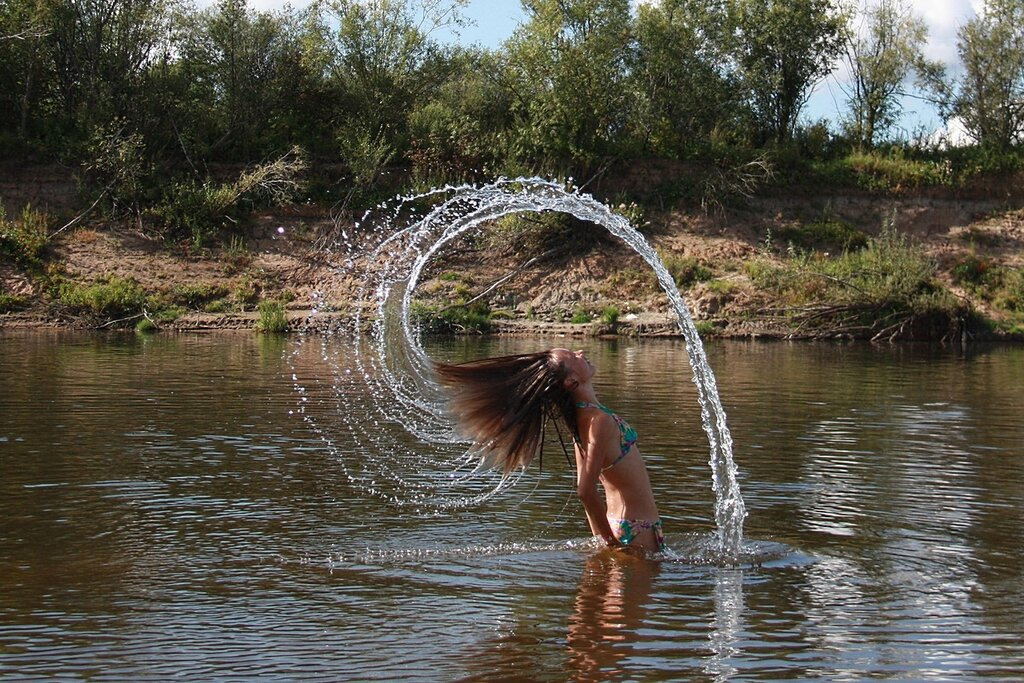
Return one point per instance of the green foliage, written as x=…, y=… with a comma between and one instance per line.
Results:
x=24, y=240
x=610, y=315
x=989, y=93
x=581, y=315
x=272, y=318
x=685, y=89
x=784, y=48
x=157, y=101
x=116, y=163
x=459, y=317
x=146, y=326
x=569, y=74
x=196, y=294
x=880, y=59
x=825, y=233
x=12, y=302
x=1002, y=287
x=538, y=233
x=686, y=270
x=894, y=171
x=201, y=209
x=705, y=328
x=246, y=291
x=878, y=290
x=108, y=298
x=971, y=271
x=721, y=286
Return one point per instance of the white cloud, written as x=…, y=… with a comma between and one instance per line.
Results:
x=944, y=19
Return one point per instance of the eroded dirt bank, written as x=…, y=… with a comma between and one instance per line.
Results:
x=293, y=254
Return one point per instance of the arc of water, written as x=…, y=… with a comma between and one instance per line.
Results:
x=409, y=251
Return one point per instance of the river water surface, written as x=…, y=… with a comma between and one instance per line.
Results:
x=165, y=512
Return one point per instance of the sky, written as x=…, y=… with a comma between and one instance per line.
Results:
x=493, y=21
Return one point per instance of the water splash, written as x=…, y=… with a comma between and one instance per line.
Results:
x=395, y=365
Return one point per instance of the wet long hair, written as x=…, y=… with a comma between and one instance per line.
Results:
x=504, y=405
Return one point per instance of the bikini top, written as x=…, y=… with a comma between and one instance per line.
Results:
x=627, y=435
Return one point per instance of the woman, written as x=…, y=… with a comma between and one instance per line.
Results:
x=503, y=405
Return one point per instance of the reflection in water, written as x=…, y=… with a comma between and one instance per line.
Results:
x=727, y=624
x=611, y=607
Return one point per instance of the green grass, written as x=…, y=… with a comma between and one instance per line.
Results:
x=272, y=318
x=826, y=233
x=610, y=315
x=686, y=270
x=146, y=326
x=1001, y=287
x=459, y=317
x=580, y=316
x=196, y=295
x=12, y=302
x=887, y=287
x=24, y=240
x=109, y=298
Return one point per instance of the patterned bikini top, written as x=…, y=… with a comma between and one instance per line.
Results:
x=627, y=435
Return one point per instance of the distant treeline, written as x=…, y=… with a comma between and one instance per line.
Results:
x=141, y=89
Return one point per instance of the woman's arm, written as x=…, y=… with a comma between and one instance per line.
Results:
x=600, y=435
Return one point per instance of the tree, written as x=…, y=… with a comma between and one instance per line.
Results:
x=684, y=81
x=568, y=72
x=382, y=62
x=990, y=96
x=101, y=51
x=783, y=48
x=23, y=56
x=887, y=50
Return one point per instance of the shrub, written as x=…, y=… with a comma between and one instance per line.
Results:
x=459, y=317
x=880, y=290
x=197, y=295
x=610, y=315
x=108, y=298
x=894, y=171
x=971, y=271
x=686, y=270
x=146, y=326
x=272, y=318
x=705, y=328
x=537, y=233
x=12, y=302
x=24, y=240
x=201, y=210
x=825, y=233
x=581, y=315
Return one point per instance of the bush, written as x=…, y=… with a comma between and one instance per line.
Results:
x=580, y=316
x=825, y=233
x=12, y=302
x=109, y=298
x=24, y=241
x=201, y=210
x=895, y=171
x=197, y=295
x=146, y=326
x=610, y=315
x=459, y=317
x=686, y=270
x=272, y=318
x=883, y=289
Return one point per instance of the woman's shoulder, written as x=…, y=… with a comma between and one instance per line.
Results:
x=597, y=422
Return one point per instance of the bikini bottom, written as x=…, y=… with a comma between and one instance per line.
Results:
x=629, y=528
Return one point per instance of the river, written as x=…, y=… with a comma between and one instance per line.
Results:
x=165, y=512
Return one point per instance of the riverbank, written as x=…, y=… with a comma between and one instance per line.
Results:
x=771, y=267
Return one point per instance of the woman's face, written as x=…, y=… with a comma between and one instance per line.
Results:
x=576, y=363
